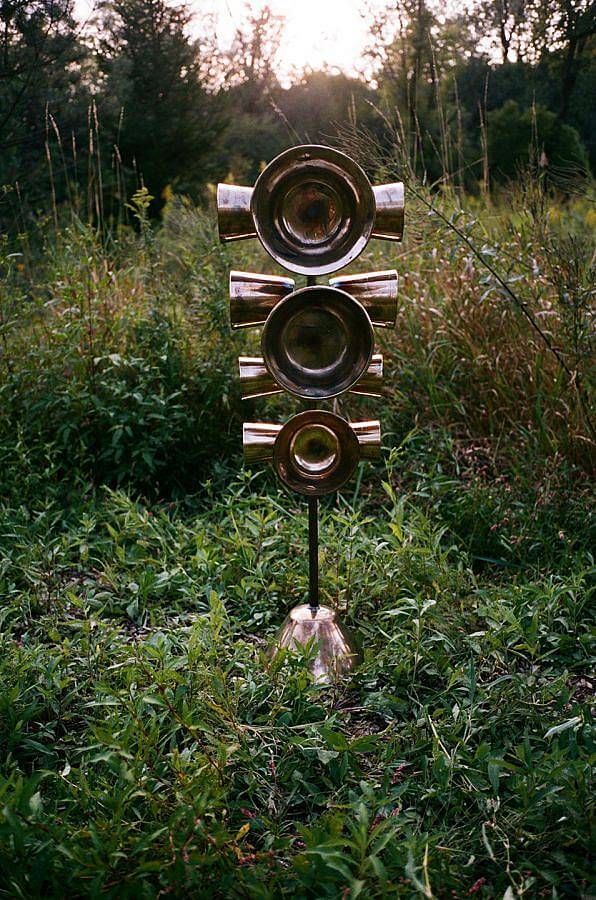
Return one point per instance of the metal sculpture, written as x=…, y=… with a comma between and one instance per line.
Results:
x=313, y=210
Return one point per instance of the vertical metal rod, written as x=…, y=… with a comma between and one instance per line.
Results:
x=313, y=530
x=313, y=552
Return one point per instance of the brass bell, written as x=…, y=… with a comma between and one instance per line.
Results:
x=315, y=452
x=257, y=381
x=253, y=296
x=313, y=209
x=317, y=342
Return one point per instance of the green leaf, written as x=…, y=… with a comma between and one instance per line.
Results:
x=493, y=775
x=327, y=755
x=564, y=726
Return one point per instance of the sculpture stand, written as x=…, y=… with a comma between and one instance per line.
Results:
x=314, y=210
x=336, y=651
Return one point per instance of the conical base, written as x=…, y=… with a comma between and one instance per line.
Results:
x=336, y=655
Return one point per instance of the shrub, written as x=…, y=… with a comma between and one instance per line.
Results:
x=114, y=379
x=514, y=135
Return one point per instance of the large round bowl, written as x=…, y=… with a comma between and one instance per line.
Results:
x=313, y=209
x=315, y=453
x=317, y=342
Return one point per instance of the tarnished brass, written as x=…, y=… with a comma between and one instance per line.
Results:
x=317, y=342
x=369, y=438
x=313, y=209
x=377, y=291
x=233, y=212
x=336, y=649
x=390, y=207
x=253, y=296
x=258, y=439
x=316, y=452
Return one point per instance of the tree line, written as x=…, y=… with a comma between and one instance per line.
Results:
x=143, y=95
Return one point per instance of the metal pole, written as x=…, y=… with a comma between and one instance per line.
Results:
x=313, y=529
x=313, y=552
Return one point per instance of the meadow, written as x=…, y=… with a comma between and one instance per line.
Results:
x=149, y=747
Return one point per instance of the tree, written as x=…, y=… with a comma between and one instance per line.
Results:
x=319, y=101
x=164, y=119
x=567, y=27
x=250, y=63
x=515, y=135
x=40, y=82
x=415, y=52
x=256, y=131
x=402, y=49
x=507, y=20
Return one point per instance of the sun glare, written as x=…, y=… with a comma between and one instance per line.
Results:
x=317, y=33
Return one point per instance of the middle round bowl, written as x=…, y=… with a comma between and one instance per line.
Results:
x=317, y=342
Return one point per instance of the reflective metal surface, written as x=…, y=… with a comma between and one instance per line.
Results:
x=336, y=650
x=316, y=452
x=377, y=291
x=255, y=378
x=371, y=383
x=258, y=439
x=390, y=206
x=313, y=209
x=233, y=212
x=253, y=296
x=317, y=342
x=257, y=381
x=369, y=438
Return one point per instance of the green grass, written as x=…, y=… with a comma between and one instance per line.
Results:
x=149, y=747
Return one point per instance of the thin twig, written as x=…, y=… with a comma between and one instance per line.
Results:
x=523, y=307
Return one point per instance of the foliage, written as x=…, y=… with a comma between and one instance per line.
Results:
x=143, y=95
x=148, y=744
x=515, y=136
x=107, y=377
x=42, y=89
x=167, y=124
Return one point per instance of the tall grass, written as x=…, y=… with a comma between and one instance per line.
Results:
x=495, y=332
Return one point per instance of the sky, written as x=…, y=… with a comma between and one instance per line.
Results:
x=317, y=34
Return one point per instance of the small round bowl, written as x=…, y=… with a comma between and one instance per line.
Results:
x=315, y=453
x=317, y=342
x=313, y=209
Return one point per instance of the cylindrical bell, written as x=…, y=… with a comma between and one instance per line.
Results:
x=370, y=385
x=313, y=209
x=253, y=296
x=258, y=439
x=377, y=291
x=390, y=204
x=317, y=342
x=369, y=438
x=255, y=378
x=315, y=452
x=233, y=212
